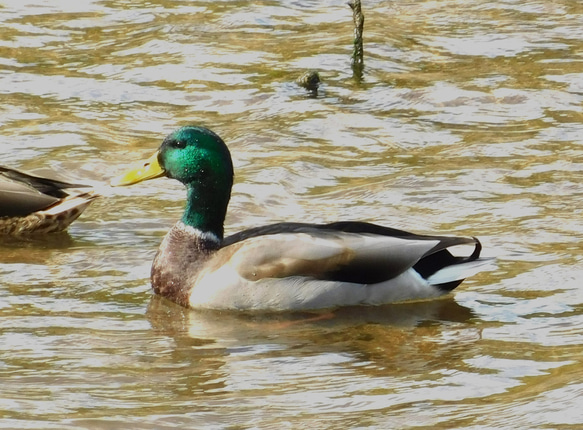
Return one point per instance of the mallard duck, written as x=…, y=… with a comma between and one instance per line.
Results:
x=32, y=204
x=286, y=266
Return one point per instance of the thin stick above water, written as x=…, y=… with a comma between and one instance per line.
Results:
x=358, y=52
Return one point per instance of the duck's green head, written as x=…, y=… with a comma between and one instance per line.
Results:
x=199, y=159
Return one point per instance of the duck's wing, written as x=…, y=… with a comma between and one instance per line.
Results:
x=353, y=252
x=22, y=193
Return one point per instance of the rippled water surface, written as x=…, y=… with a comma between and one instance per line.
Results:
x=467, y=120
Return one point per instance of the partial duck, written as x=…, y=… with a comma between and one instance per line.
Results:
x=31, y=204
x=286, y=266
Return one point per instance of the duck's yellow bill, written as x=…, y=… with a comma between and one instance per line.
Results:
x=148, y=169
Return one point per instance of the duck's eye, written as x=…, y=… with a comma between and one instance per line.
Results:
x=179, y=143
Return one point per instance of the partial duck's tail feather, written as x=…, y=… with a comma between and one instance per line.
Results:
x=76, y=203
x=443, y=270
x=450, y=277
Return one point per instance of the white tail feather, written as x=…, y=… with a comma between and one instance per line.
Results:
x=459, y=271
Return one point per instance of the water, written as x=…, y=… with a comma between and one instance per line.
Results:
x=468, y=120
